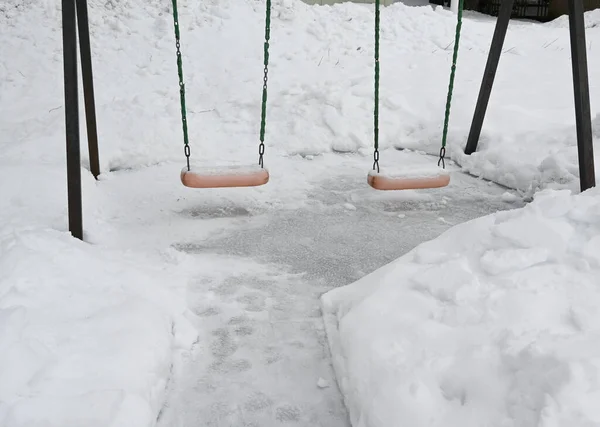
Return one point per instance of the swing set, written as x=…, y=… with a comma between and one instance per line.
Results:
x=257, y=174
x=75, y=19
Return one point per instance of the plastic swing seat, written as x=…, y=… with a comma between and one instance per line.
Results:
x=224, y=176
x=409, y=179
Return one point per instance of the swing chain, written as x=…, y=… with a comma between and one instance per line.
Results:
x=186, y=149
x=376, y=96
x=451, y=83
x=263, y=115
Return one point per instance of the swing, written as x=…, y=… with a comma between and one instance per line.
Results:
x=411, y=179
x=418, y=177
x=224, y=176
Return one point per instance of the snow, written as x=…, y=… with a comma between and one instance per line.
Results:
x=187, y=307
x=411, y=172
x=88, y=336
x=224, y=170
x=493, y=323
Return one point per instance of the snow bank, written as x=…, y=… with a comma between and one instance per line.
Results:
x=531, y=161
x=495, y=323
x=88, y=337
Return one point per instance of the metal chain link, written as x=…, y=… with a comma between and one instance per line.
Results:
x=442, y=157
x=186, y=149
x=263, y=115
x=376, y=160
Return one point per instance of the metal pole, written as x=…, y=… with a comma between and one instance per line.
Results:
x=72, y=118
x=88, y=85
x=489, y=74
x=583, y=119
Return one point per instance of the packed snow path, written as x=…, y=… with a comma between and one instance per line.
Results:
x=263, y=359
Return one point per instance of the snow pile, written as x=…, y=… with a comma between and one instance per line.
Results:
x=88, y=337
x=495, y=323
x=532, y=161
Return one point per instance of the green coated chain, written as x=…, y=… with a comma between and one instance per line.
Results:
x=451, y=85
x=181, y=84
x=376, y=109
x=263, y=114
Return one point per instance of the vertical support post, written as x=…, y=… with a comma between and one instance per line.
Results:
x=489, y=75
x=583, y=119
x=69, y=27
x=88, y=85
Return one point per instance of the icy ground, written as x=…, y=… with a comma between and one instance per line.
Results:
x=264, y=359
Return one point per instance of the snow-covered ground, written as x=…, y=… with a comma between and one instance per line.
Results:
x=88, y=336
x=202, y=307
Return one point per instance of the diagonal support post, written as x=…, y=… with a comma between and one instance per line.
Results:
x=87, y=78
x=489, y=75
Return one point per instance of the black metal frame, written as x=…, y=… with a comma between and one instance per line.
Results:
x=72, y=14
x=580, y=88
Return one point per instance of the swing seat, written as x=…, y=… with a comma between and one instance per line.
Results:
x=224, y=176
x=409, y=179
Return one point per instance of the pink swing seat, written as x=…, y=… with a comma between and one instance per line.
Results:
x=224, y=176
x=409, y=179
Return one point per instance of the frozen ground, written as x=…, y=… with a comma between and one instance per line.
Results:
x=265, y=360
